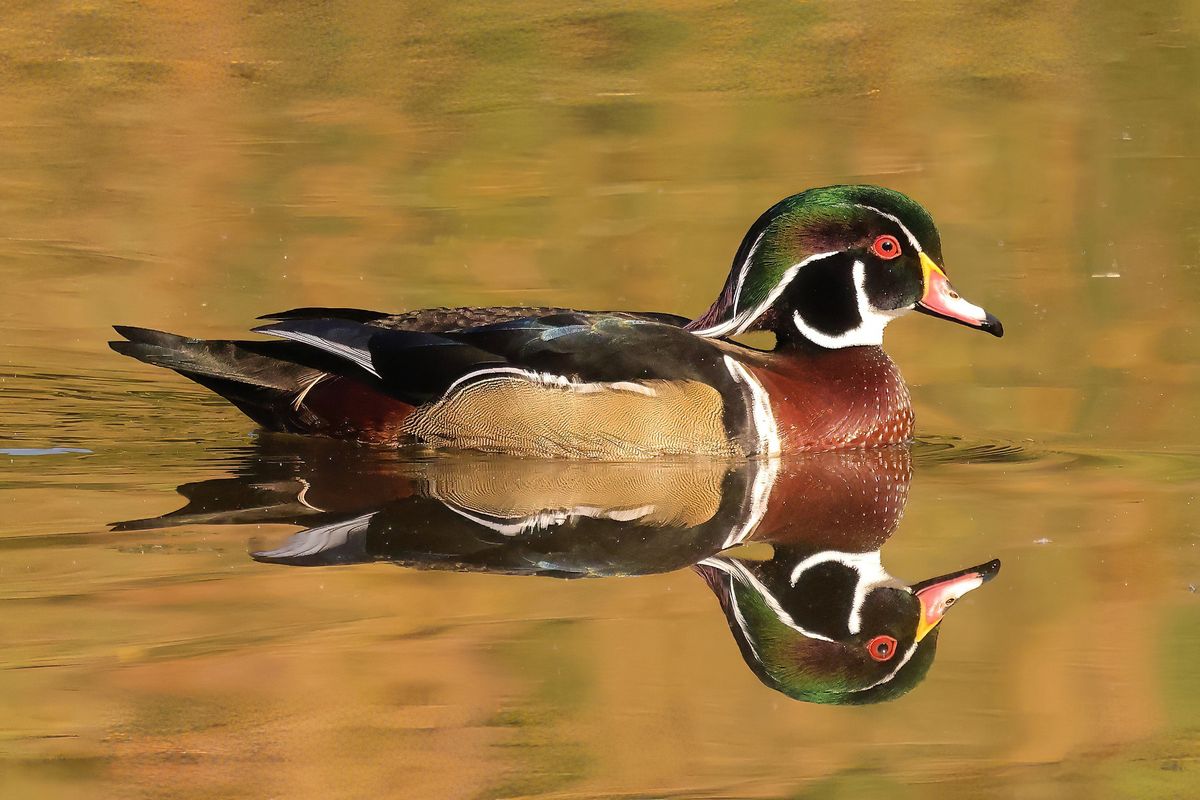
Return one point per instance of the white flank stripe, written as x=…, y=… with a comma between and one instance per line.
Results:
x=549, y=380
x=768, y=447
x=766, y=429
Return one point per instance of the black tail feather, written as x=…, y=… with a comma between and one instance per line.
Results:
x=260, y=380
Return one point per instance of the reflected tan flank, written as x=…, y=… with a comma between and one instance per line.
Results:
x=687, y=494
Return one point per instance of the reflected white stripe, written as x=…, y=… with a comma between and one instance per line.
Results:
x=318, y=540
x=867, y=566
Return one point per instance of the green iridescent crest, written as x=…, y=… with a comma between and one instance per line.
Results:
x=816, y=670
x=815, y=224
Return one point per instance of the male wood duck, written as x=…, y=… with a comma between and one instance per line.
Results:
x=825, y=270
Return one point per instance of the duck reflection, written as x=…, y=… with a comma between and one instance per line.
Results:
x=790, y=548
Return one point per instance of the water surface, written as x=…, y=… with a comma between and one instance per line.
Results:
x=192, y=166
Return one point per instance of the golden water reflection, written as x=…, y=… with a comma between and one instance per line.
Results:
x=791, y=548
x=189, y=166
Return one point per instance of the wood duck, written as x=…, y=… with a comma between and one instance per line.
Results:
x=825, y=270
x=790, y=547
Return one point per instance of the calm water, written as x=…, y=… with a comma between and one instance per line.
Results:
x=189, y=166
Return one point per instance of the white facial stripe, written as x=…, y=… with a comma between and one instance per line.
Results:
x=871, y=574
x=739, y=323
x=741, y=621
x=908, y=234
x=867, y=566
x=868, y=332
x=549, y=380
x=738, y=571
x=904, y=659
x=737, y=293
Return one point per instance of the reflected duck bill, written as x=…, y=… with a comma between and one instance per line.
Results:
x=942, y=300
x=939, y=594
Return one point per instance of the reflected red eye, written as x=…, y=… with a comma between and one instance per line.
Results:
x=886, y=247
x=881, y=648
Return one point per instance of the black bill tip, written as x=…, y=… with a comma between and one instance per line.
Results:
x=992, y=326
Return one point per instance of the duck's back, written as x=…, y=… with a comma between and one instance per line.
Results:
x=517, y=380
x=440, y=320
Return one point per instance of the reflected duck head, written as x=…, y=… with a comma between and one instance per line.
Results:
x=835, y=628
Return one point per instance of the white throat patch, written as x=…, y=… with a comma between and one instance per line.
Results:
x=868, y=332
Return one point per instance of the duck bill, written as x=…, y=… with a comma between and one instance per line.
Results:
x=941, y=300
x=936, y=595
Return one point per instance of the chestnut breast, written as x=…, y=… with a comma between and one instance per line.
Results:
x=851, y=397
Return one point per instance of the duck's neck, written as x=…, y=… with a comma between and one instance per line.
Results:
x=823, y=399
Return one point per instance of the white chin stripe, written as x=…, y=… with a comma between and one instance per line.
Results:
x=870, y=571
x=868, y=332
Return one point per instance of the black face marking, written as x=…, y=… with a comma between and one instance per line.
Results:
x=824, y=294
x=892, y=611
x=893, y=284
x=823, y=599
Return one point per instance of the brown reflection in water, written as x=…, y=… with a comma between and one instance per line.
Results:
x=159, y=159
x=791, y=549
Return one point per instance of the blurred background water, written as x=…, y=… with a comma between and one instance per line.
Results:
x=189, y=166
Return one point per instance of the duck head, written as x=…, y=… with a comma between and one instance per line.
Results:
x=833, y=266
x=834, y=627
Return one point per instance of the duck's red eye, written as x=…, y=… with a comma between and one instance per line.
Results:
x=881, y=648
x=886, y=247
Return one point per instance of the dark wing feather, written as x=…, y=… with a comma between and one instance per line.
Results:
x=417, y=367
x=318, y=312
x=352, y=375
x=412, y=366
x=438, y=320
